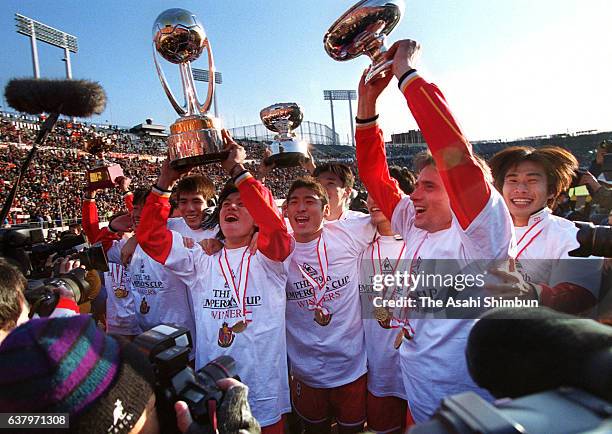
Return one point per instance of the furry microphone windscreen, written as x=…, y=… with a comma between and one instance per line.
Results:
x=78, y=98
x=516, y=352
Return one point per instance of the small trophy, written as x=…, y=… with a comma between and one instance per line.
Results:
x=362, y=29
x=105, y=174
x=195, y=139
x=287, y=149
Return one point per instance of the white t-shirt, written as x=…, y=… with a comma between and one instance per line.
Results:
x=260, y=350
x=331, y=355
x=120, y=309
x=433, y=362
x=543, y=247
x=159, y=296
x=178, y=224
x=384, y=371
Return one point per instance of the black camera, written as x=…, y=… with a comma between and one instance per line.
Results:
x=544, y=412
x=43, y=295
x=594, y=240
x=168, y=348
x=26, y=248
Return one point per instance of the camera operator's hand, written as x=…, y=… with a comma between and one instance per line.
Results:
x=233, y=415
x=123, y=183
x=234, y=163
x=66, y=265
x=588, y=179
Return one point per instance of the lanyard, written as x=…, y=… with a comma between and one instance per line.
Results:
x=239, y=292
x=530, y=240
x=394, y=269
x=318, y=289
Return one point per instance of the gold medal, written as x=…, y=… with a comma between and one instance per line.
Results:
x=321, y=318
x=398, y=339
x=381, y=314
x=239, y=327
x=120, y=292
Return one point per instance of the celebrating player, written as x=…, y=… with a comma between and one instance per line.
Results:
x=454, y=214
x=239, y=297
x=325, y=338
x=530, y=181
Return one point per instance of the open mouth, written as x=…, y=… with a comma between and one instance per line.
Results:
x=230, y=218
x=301, y=219
x=374, y=209
x=521, y=202
x=419, y=210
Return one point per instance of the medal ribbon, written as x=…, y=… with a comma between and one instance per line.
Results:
x=403, y=321
x=239, y=292
x=399, y=258
x=530, y=240
x=117, y=281
x=318, y=290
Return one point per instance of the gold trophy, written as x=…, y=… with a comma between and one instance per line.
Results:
x=195, y=139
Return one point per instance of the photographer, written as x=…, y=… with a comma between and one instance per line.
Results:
x=14, y=309
x=67, y=365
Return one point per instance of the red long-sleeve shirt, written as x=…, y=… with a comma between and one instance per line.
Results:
x=274, y=241
x=464, y=180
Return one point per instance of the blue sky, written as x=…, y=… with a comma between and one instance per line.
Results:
x=509, y=68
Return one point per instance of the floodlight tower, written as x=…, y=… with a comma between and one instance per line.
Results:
x=342, y=95
x=203, y=75
x=35, y=30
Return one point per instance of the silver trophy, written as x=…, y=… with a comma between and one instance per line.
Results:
x=363, y=29
x=287, y=149
x=195, y=139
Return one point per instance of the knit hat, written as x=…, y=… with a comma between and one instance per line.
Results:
x=68, y=365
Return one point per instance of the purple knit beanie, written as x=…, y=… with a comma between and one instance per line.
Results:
x=68, y=365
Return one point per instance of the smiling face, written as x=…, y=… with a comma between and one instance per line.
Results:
x=235, y=221
x=525, y=191
x=192, y=206
x=431, y=203
x=376, y=215
x=306, y=212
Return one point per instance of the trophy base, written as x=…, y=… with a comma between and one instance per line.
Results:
x=287, y=153
x=199, y=160
x=379, y=70
x=286, y=159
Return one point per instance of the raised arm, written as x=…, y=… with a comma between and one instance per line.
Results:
x=371, y=157
x=274, y=241
x=89, y=216
x=464, y=179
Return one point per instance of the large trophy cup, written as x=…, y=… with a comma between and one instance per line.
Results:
x=287, y=149
x=194, y=138
x=362, y=30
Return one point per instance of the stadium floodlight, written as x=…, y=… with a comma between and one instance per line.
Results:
x=204, y=75
x=36, y=30
x=341, y=95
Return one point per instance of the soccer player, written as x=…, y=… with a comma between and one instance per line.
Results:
x=338, y=180
x=530, y=181
x=120, y=309
x=454, y=214
x=239, y=297
x=325, y=339
x=386, y=397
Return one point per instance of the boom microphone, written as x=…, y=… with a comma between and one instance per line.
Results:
x=78, y=98
x=516, y=352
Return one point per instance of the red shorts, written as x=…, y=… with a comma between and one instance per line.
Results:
x=347, y=404
x=387, y=414
x=277, y=428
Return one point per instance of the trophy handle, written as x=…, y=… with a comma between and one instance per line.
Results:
x=211, y=80
x=160, y=73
